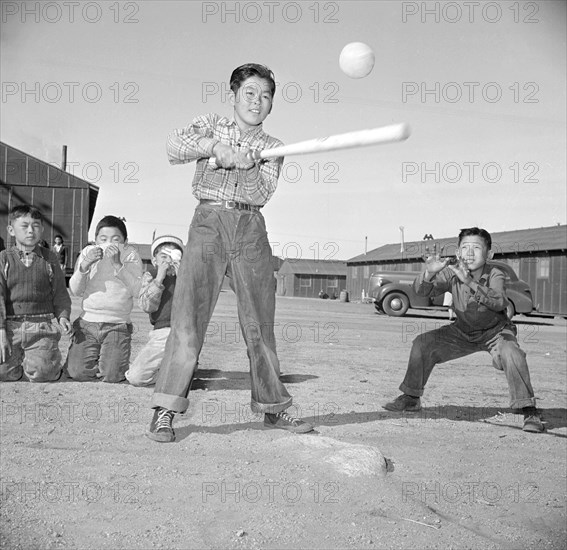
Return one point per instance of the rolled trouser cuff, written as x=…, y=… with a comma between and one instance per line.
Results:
x=270, y=408
x=523, y=403
x=170, y=402
x=410, y=391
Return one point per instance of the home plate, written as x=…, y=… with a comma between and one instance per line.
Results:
x=349, y=459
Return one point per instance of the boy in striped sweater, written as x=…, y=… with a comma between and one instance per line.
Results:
x=33, y=298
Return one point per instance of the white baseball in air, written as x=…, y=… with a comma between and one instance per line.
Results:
x=356, y=60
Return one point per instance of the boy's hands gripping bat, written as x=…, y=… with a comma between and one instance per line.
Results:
x=360, y=138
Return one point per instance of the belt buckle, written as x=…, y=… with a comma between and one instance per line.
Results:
x=230, y=204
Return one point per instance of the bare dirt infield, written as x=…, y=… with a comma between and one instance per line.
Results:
x=77, y=471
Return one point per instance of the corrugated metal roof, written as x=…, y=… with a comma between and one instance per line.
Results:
x=503, y=243
x=19, y=168
x=313, y=267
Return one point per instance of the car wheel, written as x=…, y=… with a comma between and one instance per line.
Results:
x=510, y=310
x=395, y=304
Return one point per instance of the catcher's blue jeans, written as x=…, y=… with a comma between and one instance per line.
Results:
x=232, y=242
x=449, y=342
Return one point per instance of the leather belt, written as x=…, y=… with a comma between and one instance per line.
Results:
x=38, y=318
x=230, y=205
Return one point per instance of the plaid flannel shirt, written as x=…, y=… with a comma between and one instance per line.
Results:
x=27, y=258
x=195, y=142
x=150, y=293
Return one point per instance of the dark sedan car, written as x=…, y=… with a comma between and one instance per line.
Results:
x=393, y=293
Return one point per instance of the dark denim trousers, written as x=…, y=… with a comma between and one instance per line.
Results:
x=448, y=343
x=233, y=242
x=99, y=351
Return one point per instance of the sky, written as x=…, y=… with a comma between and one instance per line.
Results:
x=481, y=84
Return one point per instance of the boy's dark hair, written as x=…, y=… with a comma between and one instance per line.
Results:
x=24, y=210
x=472, y=231
x=242, y=73
x=58, y=237
x=112, y=221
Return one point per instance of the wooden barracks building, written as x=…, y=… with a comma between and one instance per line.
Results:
x=538, y=256
x=66, y=201
x=306, y=278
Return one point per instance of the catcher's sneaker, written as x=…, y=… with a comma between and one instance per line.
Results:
x=161, y=429
x=284, y=421
x=532, y=421
x=404, y=403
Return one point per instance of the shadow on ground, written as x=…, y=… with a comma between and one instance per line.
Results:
x=434, y=315
x=552, y=418
x=218, y=380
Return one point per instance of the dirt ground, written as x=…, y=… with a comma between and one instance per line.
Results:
x=78, y=472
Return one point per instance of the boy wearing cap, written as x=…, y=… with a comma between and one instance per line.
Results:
x=156, y=298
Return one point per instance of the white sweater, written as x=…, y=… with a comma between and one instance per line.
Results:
x=108, y=295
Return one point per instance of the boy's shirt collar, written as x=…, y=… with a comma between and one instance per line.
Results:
x=35, y=250
x=486, y=268
x=485, y=271
x=27, y=256
x=232, y=122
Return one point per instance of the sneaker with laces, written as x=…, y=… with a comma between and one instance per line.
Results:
x=161, y=429
x=284, y=421
x=404, y=403
x=533, y=423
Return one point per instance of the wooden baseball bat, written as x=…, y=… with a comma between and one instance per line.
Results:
x=360, y=138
